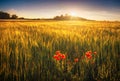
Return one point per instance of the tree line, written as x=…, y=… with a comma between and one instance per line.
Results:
x=5, y=15
x=68, y=17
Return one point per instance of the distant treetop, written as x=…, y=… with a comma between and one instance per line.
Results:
x=68, y=17
x=5, y=15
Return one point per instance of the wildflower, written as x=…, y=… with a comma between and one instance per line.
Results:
x=55, y=56
x=57, y=52
x=59, y=56
x=76, y=60
x=95, y=53
x=89, y=57
x=88, y=54
x=63, y=56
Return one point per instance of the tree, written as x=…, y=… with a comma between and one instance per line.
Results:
x=62, y=17
x=14, y=16
x=68, y=17
x=4, y=15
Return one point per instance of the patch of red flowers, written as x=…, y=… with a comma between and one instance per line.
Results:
x=88, y=54
x=59, y=56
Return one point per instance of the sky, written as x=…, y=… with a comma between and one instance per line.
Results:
x=90, y=9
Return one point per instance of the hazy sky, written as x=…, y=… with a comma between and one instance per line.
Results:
x=91, y=9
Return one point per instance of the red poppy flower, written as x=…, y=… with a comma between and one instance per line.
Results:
x=63, y=56
x=76, y=60
x=95, y=53
x=88, y=54
x=58, y=58
x=89, y=57
x=57, y=52
x=55, y=56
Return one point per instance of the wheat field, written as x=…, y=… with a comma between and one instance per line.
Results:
x=27, y=50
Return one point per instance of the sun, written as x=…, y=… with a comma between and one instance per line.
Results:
x=73, y=13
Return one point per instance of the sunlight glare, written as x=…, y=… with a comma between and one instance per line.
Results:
x=73, y=13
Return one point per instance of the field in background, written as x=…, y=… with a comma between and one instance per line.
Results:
x=27, y=50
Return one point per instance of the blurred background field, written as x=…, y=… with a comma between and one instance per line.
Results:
x=27, y=50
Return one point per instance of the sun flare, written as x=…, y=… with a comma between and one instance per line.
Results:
x=73, y=13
